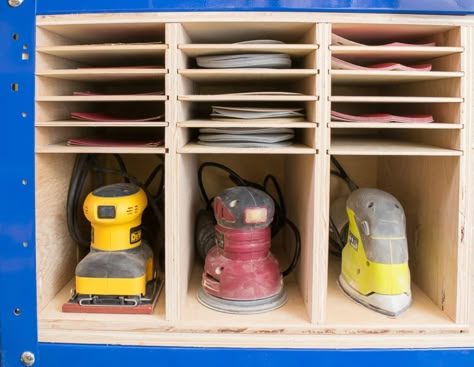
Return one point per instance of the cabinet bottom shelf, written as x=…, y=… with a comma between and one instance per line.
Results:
x=348, y=325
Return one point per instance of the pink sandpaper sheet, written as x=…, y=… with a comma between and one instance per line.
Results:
x=381, y=117
x=386, y=66
x=341, y=41
x=115, y=142
x=103, y=117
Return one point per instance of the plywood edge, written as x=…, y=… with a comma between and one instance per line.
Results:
x=194, y=148
x=392, y=125
x=64, y=148
x=377, y=99
x=245, y=123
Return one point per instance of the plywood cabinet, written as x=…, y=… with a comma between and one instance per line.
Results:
x=140, y=65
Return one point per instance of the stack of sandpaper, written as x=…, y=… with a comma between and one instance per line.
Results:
x=262, y=114
x=246, y=137
x=247, y=60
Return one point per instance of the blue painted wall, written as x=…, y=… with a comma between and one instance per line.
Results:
x=384, y=6
x=18, y=331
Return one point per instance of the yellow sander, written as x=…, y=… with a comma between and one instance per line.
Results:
x=374, y=265
x=368, y=232
x=118, y=274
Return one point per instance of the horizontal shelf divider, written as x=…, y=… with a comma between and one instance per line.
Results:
x=373, y=146
x=78, y=123
x=245, y=98
x=388, y=77
x=245, y=74
x=392, y=125
x=245, y=123
x=195, y=148
x=194, y=50
x=404, y=99
x=102, y=98
x=105, y=74
x=64, y=148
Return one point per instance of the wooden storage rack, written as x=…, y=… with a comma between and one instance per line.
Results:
x=426, y=166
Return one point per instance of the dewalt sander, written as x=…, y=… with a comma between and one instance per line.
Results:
x=374, y=257
x=241, y=275
x=119, y=274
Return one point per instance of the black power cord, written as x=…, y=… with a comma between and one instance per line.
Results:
x=279, y=220
x=338, y=243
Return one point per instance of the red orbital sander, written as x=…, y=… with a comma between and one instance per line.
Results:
x=241, y=275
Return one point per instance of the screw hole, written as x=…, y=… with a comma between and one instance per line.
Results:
x=25, y=244
x=17, y=312
x=25, y=56
x=24, y=182
x=371, y=204
x=15, y=87
x=24, y=114
x=25, y=47
x=16, y=36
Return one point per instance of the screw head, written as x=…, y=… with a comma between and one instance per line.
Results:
x=27, y=358
x=15, y=3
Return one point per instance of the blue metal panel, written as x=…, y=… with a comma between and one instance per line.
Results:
x=17, y=217
x=370, y=6
x=60, y=355
x=18, y=333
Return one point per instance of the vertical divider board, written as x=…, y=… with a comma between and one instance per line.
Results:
x=172, y=285
x=322, y=186
x=463, y=261
x=469, y=229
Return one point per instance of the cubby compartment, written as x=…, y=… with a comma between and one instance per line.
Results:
x=58, y=254
x=233, y=32
x=444, y=115
x=416, y=34
x=429, y=190
x=248, y=85
x=395, y=141
x=99, y=33
x=291, y=172
x=101, y=138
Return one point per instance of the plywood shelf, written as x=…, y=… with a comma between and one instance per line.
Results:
x=393, y=125
x=246, y=74
x=376, y=146
x=64, y=148
x=103, y=53
x=78, y=123
x=228, y=97
x=295, y=50
x=106, y=74
x=363, y=77
x=401, y=99
x=245, y=123
x=195, y=148
x=102, y=98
